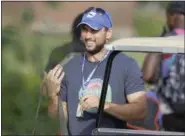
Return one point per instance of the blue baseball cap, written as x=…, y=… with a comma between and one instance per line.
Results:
x=96, y=18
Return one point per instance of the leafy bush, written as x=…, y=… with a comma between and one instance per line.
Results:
x=27, y=15
x=147, y=20
x=23, y=60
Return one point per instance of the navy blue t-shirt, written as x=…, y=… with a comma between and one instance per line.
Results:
x=125, y=79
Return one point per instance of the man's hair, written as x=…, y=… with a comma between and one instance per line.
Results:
x=176, y=7
x=76, y=30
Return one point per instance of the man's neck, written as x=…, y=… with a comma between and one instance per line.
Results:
x=96, y=57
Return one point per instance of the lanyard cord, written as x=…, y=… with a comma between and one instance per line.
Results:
x=85, y=82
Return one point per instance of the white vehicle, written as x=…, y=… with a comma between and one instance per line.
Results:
x=172, y=44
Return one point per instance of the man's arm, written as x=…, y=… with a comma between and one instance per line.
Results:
x=53, y=107
x=151, y=67
x=52, y=85
x=135, y=109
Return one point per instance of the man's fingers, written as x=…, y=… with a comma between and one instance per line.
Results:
x=61, y=77
x=84, y=106
x=49, y=75
x=52, y=80
x=58, y=72
x=45, y=77
x=55, y=72
x=56, y=68
x=84, y=98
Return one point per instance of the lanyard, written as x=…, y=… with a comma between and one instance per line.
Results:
x=85, y=83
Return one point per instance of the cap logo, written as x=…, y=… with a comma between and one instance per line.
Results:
x=91, y=14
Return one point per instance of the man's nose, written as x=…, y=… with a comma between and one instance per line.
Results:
x=88, y=35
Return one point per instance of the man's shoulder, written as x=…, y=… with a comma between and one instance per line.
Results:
x=125, y=63
x=121, y=57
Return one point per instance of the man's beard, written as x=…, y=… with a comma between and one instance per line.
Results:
x=96, y=50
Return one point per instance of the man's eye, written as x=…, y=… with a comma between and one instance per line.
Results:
x=94, y=31
x=83, y=28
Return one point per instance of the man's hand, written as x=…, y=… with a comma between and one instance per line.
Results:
x=52, y=81
x=90, y=101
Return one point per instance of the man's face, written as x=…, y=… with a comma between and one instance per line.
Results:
x=94, y=40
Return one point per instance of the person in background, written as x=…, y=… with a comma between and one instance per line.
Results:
x=79, y=82
x=175, y=23
x=152, y=69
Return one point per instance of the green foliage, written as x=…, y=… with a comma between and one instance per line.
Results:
x=24, y=56
x=10, y=34
x=27, y=15
x=164, y=4
x=148, y=24
x=53, y=4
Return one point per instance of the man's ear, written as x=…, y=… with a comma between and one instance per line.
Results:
x=109, y=34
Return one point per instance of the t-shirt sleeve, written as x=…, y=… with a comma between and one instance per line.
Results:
x=133, y=80
x=63, y=89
